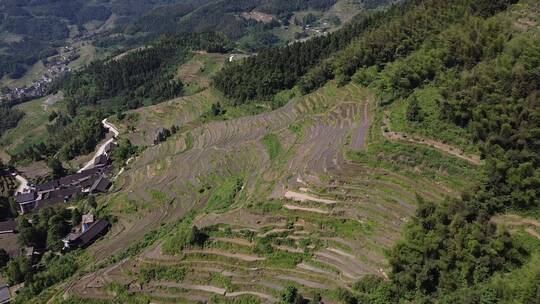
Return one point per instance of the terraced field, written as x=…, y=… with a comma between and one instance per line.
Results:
x=288, y=197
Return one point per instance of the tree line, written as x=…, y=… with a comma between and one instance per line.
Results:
x=370, y=40
x=451, y=252
x=488, y=76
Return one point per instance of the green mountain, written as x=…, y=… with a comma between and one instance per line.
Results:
x=394, y=160
x=33, y=30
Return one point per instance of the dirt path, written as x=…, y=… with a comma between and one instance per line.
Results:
x=448, y=149
x=207, y=288
x=253, y=293
x=292, y=207
x=302, y=197
x=304, y=282
x=23, y=183
x=240, y=256
x=513, y=221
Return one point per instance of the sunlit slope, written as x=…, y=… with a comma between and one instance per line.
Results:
x=310, y=194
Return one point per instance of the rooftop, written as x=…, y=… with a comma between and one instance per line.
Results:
x=8, y=226
x=94, y=230
x=25, y=197
x=4, y=294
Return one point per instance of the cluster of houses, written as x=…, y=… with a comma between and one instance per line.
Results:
x=89, y=230
x=90, y=181
x=54, y=68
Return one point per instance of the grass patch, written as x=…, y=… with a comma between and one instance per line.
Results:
x=273, y=145
x=346, y=228
x=431, y=126
x=159, y=272
x=30, y=130
x=189, y=141
x=284, y=259
x=158, y=196
x=224, y=195
x=418, y=161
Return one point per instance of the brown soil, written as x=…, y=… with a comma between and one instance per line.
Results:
x=514, y=222
x=448, y=149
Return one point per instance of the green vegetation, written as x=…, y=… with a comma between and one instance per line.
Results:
x=272, y=144
x=184, y=236
x=54, y=269
x=431, y=126
x=9, y=117
x=370, y=40
x=224, y=195
x=45, y=228
x=149, y=273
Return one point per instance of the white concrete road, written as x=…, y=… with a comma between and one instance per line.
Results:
x=23, y=183
x=101, y=149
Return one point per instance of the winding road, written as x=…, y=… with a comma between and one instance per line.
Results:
x=23, y=183
x=101, y=149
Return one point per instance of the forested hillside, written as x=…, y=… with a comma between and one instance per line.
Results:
x=220, y=15
x=114, y=85
x=487, y=74
x=395, y=160
x=377, y=38
x=32, y=30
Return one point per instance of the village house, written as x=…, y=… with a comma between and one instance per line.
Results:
x=90, y=181
x=5, y=296
x=87, y=236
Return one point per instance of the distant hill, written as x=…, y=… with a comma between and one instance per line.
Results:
x=31, y=30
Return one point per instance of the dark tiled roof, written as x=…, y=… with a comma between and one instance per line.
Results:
x=25, y=197
x=110, y=147
x=4, y=294
x=101, y=185
x=66, y=180
x=87, y=183
x=49, y=202
x=8, y=226
x=48, y=186
x=65, y=193
x=93, y=231
x=101, y=160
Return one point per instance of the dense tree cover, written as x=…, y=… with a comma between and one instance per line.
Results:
x=275, y=69
x=122, y=153
x=499, y=100
x=141, y=76
x=448, y=247
x=4, y=258
x=41, y=25
x=45, y=228
x=105, y=87
x=489, y=80
x=66, y=138
x=218, y=15
x=44, y=25
x=8, y=208
x=377, y=39
x=9, y=117
x=54, y=269
x=489, y=75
